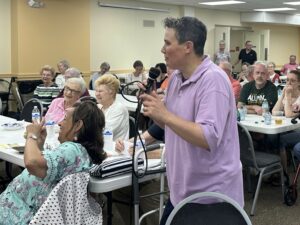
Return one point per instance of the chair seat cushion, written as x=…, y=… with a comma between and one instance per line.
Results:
x=263, y=159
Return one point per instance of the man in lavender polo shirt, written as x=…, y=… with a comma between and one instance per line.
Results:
x=199, y=118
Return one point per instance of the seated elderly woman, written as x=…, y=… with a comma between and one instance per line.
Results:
x=48, y=90
x=116, y=114
x=73, y=72
x=81, y=146
x=285, y=103
x=73, y=90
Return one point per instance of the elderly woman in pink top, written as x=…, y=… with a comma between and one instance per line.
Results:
x=73, y=89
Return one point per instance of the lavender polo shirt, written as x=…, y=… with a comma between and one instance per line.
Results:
x=206, y=98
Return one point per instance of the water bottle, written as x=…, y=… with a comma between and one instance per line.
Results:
x=241, y=112
x=279, y=92
x=36, y=115
x=268, y=118
x=108, y=140
x=276, y=82
x=51, y=141
x=265, y=107
x=238, y=115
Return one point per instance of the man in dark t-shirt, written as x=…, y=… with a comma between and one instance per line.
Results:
x=247, y=54
x=255, y=92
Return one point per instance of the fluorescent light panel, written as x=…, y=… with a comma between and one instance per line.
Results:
x=292, y=3
x=274, y=9
x=221, y=3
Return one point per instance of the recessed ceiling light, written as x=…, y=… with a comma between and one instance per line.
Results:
x=292, y=3
x=221, y=3
x=274, y=9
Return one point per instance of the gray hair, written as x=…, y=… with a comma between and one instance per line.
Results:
x=105, y=65
x=79, y=81
x=65, y=63
x=227, y=67
x=221, y=42
x=250, y=70
x=73, y=72
x=271, y=63
x=261, y=63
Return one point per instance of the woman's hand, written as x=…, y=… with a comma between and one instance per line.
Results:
x=38, y=130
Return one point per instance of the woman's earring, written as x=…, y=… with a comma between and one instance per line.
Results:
x=75, y=138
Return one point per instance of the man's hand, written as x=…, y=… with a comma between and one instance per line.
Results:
x=154, y=107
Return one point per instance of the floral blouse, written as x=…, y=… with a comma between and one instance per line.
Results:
x=26, y=193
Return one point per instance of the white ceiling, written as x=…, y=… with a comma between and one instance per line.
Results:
x=246, y=7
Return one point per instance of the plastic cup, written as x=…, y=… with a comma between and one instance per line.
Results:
x=277, y=113
x=278, y=120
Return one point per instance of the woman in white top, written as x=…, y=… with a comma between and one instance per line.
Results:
x=116, y=114
x=137, y=75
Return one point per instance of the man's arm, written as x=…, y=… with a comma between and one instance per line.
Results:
x=191, y=132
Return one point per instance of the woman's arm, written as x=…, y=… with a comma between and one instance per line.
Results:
x=34, y=160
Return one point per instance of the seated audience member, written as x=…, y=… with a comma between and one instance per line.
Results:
x=243, y=74
x=137, y=75
x=292, y=65
x=73, y=72
x=104, y=68
x=285, y=103
x=73, y=90
x=248, y=75
x=116, y=114
x=153, y=134
x=164, y=86
x=81, y=145
x=271, y=72
x=255, y=92
x=62, y=66
x=221, y=54
x=236, y=87
x=47, y=91
x=163, y=74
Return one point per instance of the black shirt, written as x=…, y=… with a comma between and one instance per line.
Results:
x=248, y=57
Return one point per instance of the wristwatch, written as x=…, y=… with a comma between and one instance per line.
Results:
x=33, y=136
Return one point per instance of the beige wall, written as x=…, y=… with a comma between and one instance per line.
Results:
x=5, y=37
x=118, y=35
x=284, y=41
x=86, y=35
x=42, y=36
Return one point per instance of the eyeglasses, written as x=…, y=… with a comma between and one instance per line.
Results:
x=72, y=91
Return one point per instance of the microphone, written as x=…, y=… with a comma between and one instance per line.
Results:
x=153, y=74
x=294, y=120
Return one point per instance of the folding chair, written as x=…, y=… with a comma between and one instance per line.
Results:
x=225, y=211
x=264, y=163
x=26, y=113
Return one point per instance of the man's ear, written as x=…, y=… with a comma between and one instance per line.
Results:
x=189, y=47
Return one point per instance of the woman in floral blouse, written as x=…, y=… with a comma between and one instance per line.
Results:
x=81, y=145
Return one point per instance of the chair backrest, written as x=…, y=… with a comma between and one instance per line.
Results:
x=27, y=87
x=5, y=87
x=247, y=153
x=226, y=211
x=131, y=127
x=26, y=113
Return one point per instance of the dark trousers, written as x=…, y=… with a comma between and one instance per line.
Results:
x=168, y=209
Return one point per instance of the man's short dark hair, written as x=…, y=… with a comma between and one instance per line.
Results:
x=188, y=29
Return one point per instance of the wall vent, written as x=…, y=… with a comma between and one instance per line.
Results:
x=148, y=23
